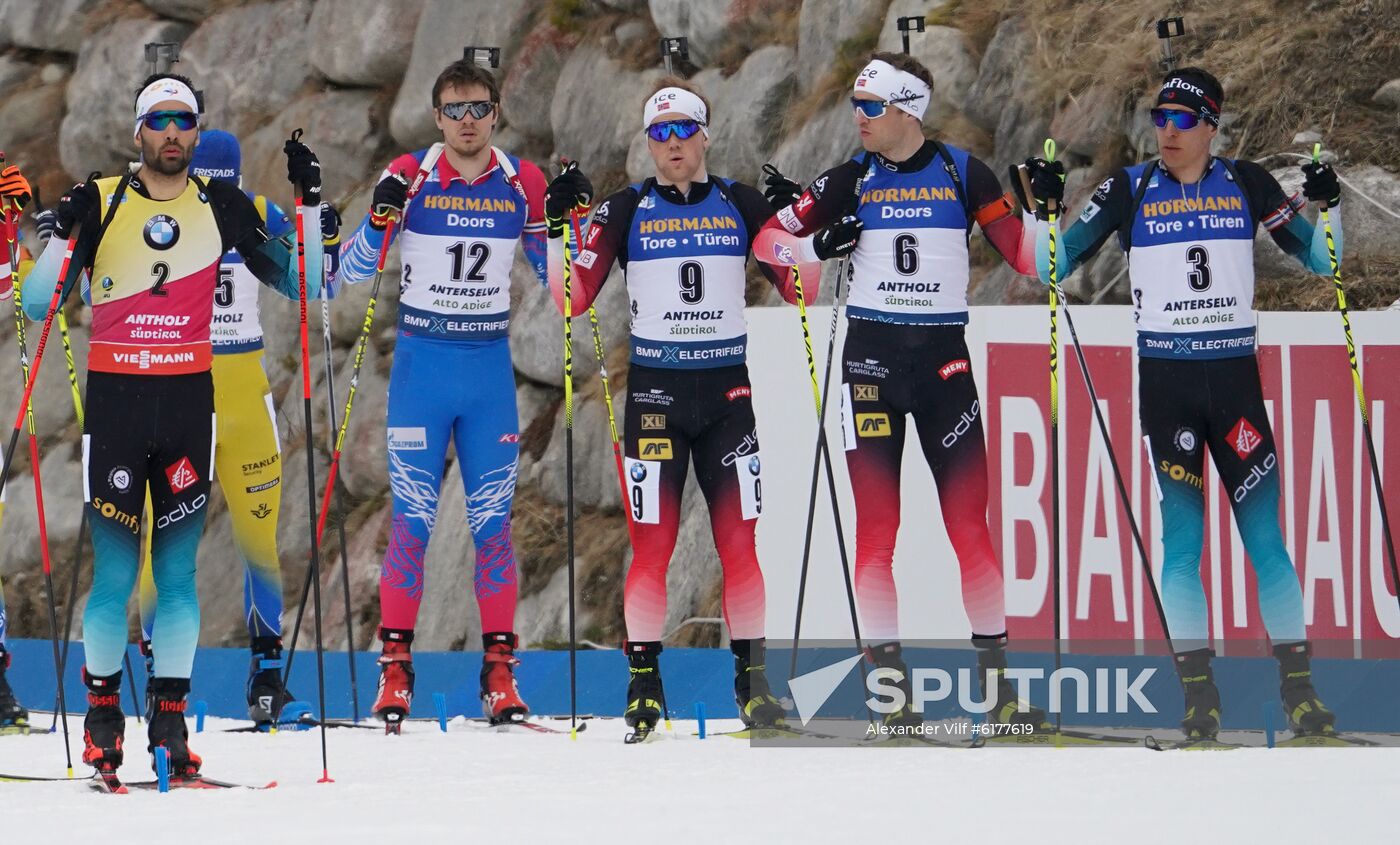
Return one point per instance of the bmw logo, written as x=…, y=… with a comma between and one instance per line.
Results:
x=753, y=465
x=161, y=232
x=638, y=472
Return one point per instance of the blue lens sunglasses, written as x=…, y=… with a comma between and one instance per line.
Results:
x=682, y=129
x=158, y=120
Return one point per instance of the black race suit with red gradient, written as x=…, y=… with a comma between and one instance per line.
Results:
x=688, y=388
x=905, y=354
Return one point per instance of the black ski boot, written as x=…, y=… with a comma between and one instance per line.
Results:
x=104, y=726
x=1006, y=707
x=757, y=706
x=266, y=693
x=167, y=729
x=889, y=659
x=1307, y=715
x=1202, y=719
x=148, y=656
x=646, y=700
x=12, y=715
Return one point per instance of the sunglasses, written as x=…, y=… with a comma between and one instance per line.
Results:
x=682, y=129
x=476, y=108
x=870, y=108
x=158, y=120
x=1182, y=120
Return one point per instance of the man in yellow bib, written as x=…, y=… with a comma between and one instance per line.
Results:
x=247, y=451
x=152, y=242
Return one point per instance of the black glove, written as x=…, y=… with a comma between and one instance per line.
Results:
x=1320, y=184
x=330, y=223
x=781, y=191
x=44, y=223
x=303, y=170
x=1047, y=185
x=390, y=196
x=75, y=207
x=839, y=239
x=569, y=190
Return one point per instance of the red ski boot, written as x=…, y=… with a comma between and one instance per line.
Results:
x=395, y=679
x=500, y=697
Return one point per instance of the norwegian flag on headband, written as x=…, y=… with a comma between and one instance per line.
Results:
x=663, y=106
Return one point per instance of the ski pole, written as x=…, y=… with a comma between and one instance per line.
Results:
x=429, y=160
x=603, y=375
x=569, y=475
x=1052, y=213
x=11, y=227
x=1356, y=381
x=310, y=466
x=823, y=452
x=27, y=413
x=340, y=507
x=1108, y=444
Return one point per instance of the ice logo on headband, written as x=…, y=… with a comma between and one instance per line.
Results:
x=906, y=96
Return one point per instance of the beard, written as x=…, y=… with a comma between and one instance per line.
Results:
x=152, y=158
x=467, y=149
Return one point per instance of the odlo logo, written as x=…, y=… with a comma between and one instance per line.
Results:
x=965, y=422
x=1256, y=475
x=182, y=511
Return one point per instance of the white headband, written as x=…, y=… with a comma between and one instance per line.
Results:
x=161, y=90
x=899, y=88
x=678, y=101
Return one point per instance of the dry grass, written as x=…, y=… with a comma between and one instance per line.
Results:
x=850, y=57
x=1370, y=283
x=1286, y=66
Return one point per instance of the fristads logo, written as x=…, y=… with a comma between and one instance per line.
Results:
x=161, y=232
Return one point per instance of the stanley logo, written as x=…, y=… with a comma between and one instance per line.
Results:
x=655, y=448
x=873, y=425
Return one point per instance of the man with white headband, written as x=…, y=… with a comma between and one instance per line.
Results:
x=151, y=242
x=683, y=239
x=452, y=381
x=247, y=451
x=904, y=213
x=1187, y=222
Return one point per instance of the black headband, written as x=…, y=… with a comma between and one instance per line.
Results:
x=1183, y=91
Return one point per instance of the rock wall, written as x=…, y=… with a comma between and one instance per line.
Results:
x=357, y=76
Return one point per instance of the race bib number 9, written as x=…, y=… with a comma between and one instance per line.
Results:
x=643, y=491
x=749, y=470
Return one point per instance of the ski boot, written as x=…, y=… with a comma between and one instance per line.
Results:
x=757, y=706
x=889, y=660
x=166, y=727
x=1006, y=707
x=646, y=700
x=1307, y=715
x=1202, y=721
x=148, y=656
x=13, y=717
x=104, y=727
x=500, y=697
x=395, y=697
x=266, y=693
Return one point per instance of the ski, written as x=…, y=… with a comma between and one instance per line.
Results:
x=106, y=780
x=17, y=729
x=1334, y=740
x=9, y=778
x=1199, y=744
x=1057, y=739
x=196, y=782
x=299, y=725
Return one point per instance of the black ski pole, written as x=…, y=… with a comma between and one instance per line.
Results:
x=340, y=511
x=310, y=470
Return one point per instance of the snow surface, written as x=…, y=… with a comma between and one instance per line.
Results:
x=478, y=785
